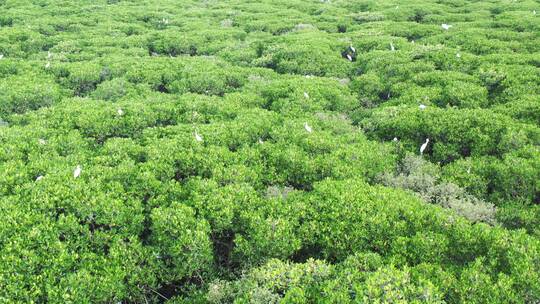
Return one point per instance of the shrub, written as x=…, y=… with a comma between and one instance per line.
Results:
x=112, y=90
x=19, y=94
x=181, y=241
x=199, y=77
x=518, y=216
x=456, y=89
x=81, y=78
x=424, y=178
x=171, y=43
x=293, y=56
x=526, y=109
x=370, y=89
x=514, y=178
x=453, y=133
x=300, y=95
x=20, y=42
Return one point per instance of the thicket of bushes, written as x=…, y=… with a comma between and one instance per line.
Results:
x=268, y=152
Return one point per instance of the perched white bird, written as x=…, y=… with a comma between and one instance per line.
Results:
x=349, y=57
x=77, y=171
x=469, y=170
x=422, y=106
x=42, y=141
x=458, y=55
x=352, y=49
x=48, y=65
x=534, y=12
x=412, y=41
x=261, y=141
x=1, y=56
x=39, y=178
x=307, y=127
x=395, y=139
x=446, y=26
x=120, y=112
x=392, y=48
x=424, y=146
x=306, y=95
x=198, y=137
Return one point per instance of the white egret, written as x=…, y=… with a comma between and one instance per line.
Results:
x=392, y=48
x=198, y=137
x=48, y=65
x=39, y=178
x=261, y=141
x=307, y=127
x=395, y=139
x=344, y=81
x=349, y=57
x=120, y=112
x=306, y=95
x=1, y=56
x=424, y=146
x=422, y=107
x=226, y=23
x=534, y=12
x=42, y=141
x=445, y=26
x=77, y=171
x=458, y=55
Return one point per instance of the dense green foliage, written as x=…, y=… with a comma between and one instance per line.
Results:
x=268, y=151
